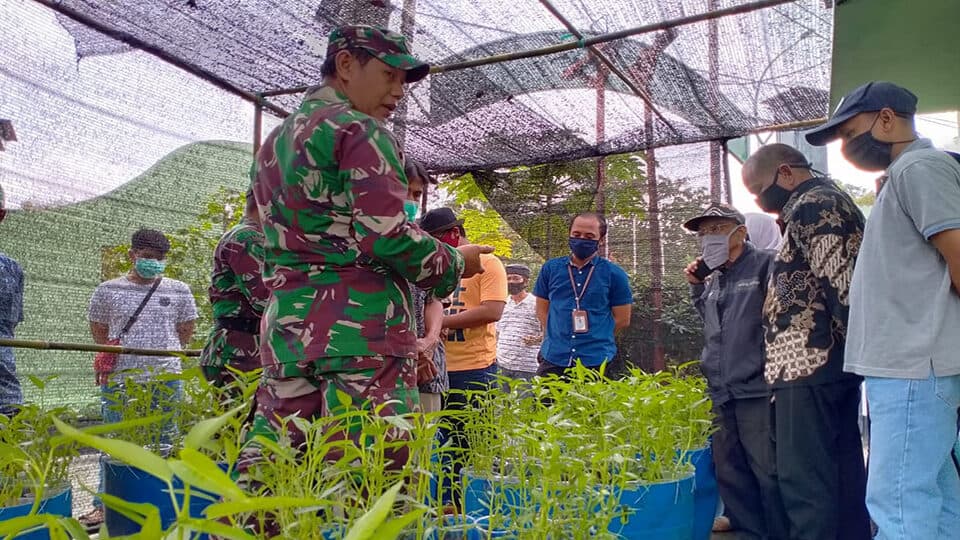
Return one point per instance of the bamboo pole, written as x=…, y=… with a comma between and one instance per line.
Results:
x=583, y=43
x=92, y=347
x=790, y=126
x=257, y=125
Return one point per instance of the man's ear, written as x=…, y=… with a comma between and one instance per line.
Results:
x=887, y=121
x=345, y=63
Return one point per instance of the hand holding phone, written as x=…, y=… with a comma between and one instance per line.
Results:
x=697, y=271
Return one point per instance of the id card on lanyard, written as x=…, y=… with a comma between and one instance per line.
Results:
x=581, y=323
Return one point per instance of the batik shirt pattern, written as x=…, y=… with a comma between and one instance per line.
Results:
x=807, y=301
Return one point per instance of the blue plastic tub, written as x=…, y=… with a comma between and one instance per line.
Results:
x=59, y=504
x=496, y=495
x=661, y=511
x=134, y=485
x=705, y=494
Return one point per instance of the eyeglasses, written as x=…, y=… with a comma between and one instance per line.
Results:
x=719, y=228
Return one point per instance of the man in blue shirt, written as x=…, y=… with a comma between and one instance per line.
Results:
x=11, y=314
x=581, y=301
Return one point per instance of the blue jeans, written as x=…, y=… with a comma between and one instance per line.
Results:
x=477, y=380
x=112, y=399
x=913, y=488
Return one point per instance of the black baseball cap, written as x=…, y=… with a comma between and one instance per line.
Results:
x=870, y=97
x=440, y=220
x=518, y=269
x=716, y=210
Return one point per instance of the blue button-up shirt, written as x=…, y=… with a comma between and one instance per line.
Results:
x=11, y=314
x=609, y=287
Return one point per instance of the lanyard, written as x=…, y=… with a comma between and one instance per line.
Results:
x=578, y=295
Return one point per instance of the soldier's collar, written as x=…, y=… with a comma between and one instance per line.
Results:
x=325, y=93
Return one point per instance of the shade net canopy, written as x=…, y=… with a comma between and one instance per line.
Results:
x=710, y=80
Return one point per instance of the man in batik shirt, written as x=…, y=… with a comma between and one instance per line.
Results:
x=338, y=248
x=238, y=297
x=819, y=457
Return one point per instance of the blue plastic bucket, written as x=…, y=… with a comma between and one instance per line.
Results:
x=134, y=485
x=455, y=527
x=494, y=495
x=661, y=511
x=705, y=494
x=60, y=504
x=485, y=531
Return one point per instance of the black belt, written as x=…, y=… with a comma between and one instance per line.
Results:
x=247, y=326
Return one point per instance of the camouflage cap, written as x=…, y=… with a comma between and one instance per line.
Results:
x=389, y=47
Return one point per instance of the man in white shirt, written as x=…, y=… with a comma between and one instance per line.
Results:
x=518, y=331
x=165, y=321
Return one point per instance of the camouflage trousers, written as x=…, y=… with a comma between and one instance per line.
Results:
x=328, y=387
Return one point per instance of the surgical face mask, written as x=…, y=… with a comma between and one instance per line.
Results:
x=515, y=288
x=411, y=208
x=775, y=197
x=584, y=248
x=149, y=268
x=715, y=249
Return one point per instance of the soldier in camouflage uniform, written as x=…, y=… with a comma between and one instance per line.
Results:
x=338, y=249
x=238, y=297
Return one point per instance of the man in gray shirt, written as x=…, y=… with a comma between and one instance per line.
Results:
x=905, y=313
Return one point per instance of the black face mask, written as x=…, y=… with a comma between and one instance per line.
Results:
x=867, y=153
x=775, y=197
x=515, y=288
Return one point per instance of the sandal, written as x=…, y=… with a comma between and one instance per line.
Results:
x=92, y=518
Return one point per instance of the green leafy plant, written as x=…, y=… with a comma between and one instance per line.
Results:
x=556, y=453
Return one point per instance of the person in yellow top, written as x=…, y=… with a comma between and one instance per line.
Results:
x=470, y=322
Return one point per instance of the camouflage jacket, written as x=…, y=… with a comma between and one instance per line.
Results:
x=236, y=292
x=807, y=301
x=338, y=248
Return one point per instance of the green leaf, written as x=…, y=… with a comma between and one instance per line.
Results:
x=345, y=400
x=12, y=526
x=367, y=525
x=138, y=513
x=100, y=429
x=393, y=528
x=217, y=529
x=244, y=506
x=37, y=381
x=199, y=470
x=74, y=528
x=205, y=430
x=124, y=451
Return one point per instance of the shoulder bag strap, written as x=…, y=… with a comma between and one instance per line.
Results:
x=143, y=303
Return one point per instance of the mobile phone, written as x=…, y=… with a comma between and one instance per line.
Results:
x=702, y=270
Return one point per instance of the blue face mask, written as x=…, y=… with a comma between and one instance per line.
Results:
x=411, y=208
x=583, y=248
x=149, y=268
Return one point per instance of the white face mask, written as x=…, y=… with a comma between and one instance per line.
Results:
x=715, y=249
